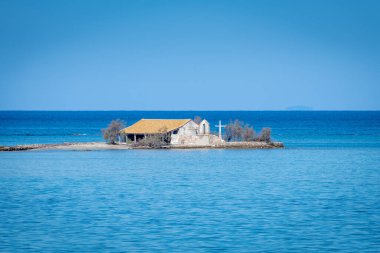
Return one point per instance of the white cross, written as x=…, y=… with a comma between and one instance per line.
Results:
x=220, y=128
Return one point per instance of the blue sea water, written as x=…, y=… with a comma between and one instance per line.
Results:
x=319, y=194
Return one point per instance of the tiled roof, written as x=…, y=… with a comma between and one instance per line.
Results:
x=154, y=126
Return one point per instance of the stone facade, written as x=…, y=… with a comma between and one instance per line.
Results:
x=195, y=135
x=204, y=127
x=180, y=132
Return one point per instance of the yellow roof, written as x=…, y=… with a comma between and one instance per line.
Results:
x=154, y=126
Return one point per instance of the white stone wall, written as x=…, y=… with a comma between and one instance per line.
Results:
x=196, y=140
x=190, y=128
x=185, y=132
x=192, y=134
x=190, y=140
x=175, y=139
x=204, y=127
x=214, y=140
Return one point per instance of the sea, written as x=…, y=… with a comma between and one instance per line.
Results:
x=321, y=193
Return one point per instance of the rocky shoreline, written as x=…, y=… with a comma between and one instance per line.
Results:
x=89, y=146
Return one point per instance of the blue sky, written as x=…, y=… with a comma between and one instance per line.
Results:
x=189, y=55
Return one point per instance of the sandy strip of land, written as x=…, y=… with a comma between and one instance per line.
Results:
x=66, y=146
x=88, y=146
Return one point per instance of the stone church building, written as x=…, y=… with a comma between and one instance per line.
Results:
x=180, y=131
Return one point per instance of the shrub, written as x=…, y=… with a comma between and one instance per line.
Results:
x=248, y=133
x=155, y=140
x=111, y=133
x=151, y=141
x=265, y=135
x=229, y=131
x=234, y=131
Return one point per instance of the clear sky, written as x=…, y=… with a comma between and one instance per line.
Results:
x=189, y=55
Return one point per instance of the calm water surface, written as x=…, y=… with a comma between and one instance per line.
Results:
x=320, y=194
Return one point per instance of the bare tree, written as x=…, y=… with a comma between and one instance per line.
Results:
x=229, y=131
x=111, y=133
x=197, y=119
x=248, y=133
x=234, y=131
x=238, y=130
x=265, y=135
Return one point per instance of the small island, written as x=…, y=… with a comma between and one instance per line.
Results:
x=169, y=134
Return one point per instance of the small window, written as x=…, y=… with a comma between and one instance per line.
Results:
x=175, y=131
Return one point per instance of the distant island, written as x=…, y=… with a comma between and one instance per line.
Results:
x=169, y=134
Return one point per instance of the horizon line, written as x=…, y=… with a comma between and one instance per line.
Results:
x=277, y=110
